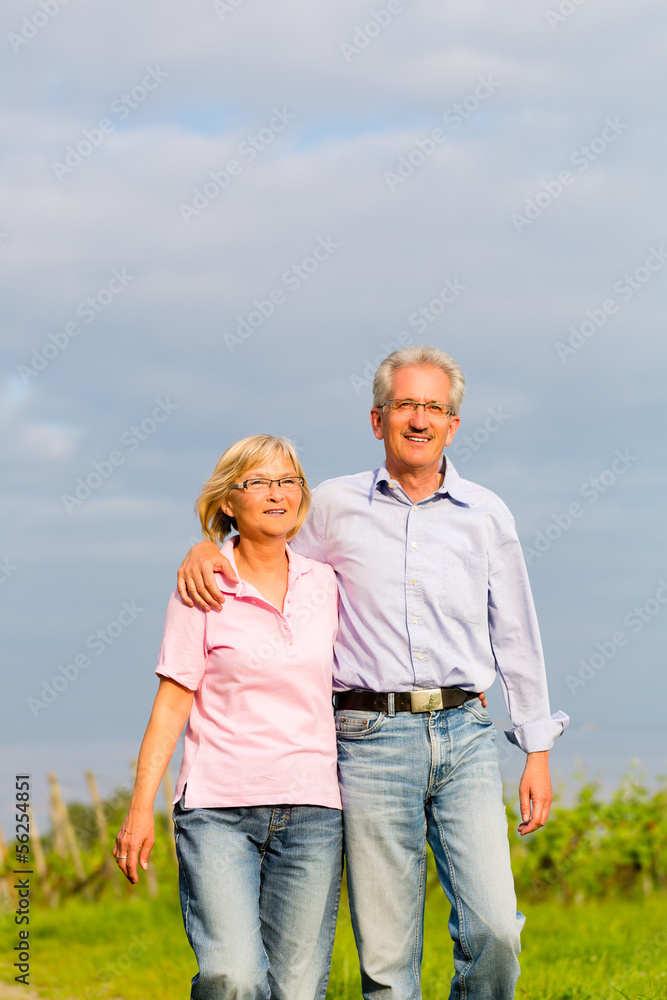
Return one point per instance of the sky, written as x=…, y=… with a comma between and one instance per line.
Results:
x=218, y=217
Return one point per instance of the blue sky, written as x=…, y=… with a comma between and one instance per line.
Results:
x=544, y=207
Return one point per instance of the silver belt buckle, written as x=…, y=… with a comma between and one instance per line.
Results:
x=426, y=701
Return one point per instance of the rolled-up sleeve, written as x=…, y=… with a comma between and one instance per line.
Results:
x=517, y=649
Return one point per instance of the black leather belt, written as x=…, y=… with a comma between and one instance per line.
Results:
x=404, y=701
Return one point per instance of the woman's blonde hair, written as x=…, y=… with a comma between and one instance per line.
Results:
x=244, y=455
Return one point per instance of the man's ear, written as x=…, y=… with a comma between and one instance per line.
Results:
x=376, y=423
x=453, y=427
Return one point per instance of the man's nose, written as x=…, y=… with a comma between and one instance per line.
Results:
x=419, y=420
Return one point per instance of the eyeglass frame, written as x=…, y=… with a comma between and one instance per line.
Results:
x=261, y=479
x=449, y=409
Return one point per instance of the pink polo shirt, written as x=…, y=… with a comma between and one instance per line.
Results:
x=261, y=730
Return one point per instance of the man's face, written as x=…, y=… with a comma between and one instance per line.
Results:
x=415, y=440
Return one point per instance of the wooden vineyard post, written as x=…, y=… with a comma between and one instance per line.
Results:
x=108, y=867
x=168, y=788
x=63, y=829
x=39, y=861
x=5, y=892
x=59, y=842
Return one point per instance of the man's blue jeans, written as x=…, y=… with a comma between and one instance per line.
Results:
x=259, y=893
x=411, y=779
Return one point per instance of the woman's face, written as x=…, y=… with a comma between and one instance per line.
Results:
x=271, y=511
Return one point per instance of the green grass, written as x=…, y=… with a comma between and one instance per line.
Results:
x=573, y=953
x=136, y=949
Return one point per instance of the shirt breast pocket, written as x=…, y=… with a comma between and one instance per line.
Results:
x=464, y=592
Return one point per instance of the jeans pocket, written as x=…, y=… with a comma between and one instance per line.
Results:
x=357, y=725
x=479, y=713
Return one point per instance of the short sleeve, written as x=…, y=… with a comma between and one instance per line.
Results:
x=182, y=655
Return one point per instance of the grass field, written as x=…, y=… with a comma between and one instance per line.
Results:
x=136, y=950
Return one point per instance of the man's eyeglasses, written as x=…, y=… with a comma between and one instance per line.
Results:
x=411, y=405
x=260, y=485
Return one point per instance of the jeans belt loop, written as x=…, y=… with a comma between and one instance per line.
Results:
x=390, y=705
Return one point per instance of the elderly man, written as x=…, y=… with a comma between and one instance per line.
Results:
x=434, y=602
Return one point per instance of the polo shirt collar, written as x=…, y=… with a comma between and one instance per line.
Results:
x=298, y=565
x=452, y=483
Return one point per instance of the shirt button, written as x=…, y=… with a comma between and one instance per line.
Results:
x=414, y=545
x=415, y=620
x=414, y=507
x=391, y=483
x=419, y=656
x=413, y=582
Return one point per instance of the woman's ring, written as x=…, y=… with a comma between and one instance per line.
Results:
x=121, y=857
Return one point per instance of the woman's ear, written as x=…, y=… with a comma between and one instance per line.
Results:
x=227, y=508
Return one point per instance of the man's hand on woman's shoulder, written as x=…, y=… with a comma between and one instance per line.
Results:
x=196, y=583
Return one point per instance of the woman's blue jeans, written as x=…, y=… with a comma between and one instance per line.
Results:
x=406, y=781
x=259, y=892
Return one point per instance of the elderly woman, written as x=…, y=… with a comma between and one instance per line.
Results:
x=257, y=808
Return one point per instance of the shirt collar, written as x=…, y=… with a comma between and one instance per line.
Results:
x=298, y=565
x=452, y=483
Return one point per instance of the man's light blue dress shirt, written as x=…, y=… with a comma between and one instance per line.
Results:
x=433, y=594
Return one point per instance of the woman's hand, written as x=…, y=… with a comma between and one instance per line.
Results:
x=196, y=583
x=136, y=836
x=134, y=842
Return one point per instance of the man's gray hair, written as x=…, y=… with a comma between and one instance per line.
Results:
x=418, y=356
